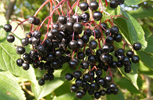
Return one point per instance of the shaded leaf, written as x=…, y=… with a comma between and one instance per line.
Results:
x=119, y=96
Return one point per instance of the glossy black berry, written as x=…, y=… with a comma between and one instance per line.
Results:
x=85, y=38
x=103, y=26
x=79, y=94
x=108, y=91
x=81, y=55
x=120, y=1
x=68, y=76
x=108, y=79
x=114, y=30
x=26, y=57
x=99, y=72
x=93, y=44
x=51, y=77
x=41, y=82
x=77, y=27
x=130, y=53
x=25, y=66
x=62, y=19
x=74, y=88
x=37, y=34
x=106, y=48
x=113, y=4
x=116, y=91
x=73, y=45
x=127, y=69
x=97, y=15
x=76, y=18
x=72, y=64
x=137, y=46
x=84, y=65
x=119, y=64
x=88, y=52
x=78, y=82
x=77, y=74
x=31, y=19
x=104, y=57
x=109, y=40
x=97, y=95
x=93, y=5
x=69, y=25
x=83, y=6
x=107, y=32
x=55, y=26
x=118, y=37
x=135, y=59
x=101, y=81
x=96, y=33
x=24, y=42
x=94, y=86
x=80, y=43
x=19, y=62
x=92, y=59
x=126, y=60
x=88, y=32
x=7, y=27
x=10, y=38
x=54, y=32
x=85, y=17
x=90, y=92
x=20, y=50
x=112, y=86
x=102, y=92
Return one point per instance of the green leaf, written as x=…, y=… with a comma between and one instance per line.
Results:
x=119, y=96
x=149, y=48
x=133, y=2
x=135, y=30
x=9, y=56
x=146, y=59
x=127, y=84
x=113, y=11
x=48, y=87
x=67, y=96
x=141, y=13
x=148, y=33
x=10, y=89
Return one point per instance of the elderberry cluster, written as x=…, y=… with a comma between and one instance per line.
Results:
x=87, y=48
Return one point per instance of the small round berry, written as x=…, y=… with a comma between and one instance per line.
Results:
x=126, y=60
x=135, y=59
x=85, y=17
x=112, y=86
x=114, y=30
x=72, y=64
x=25, y=66
x=99, y=52
x=73, y=45
x=41, y=82
x=20, y=50
x=55, y=26
x=118, y=38
x=58, y=53
x=81, y=55
x=119, y=64
x=137, y=46
x=97, y=95
x=93, y=44
x=19, y=62
x=111, y=48
x=101, y=81
x=108, y=91
x=93, y=5
x=107, y=32
x=86, y=77
x=79, y=94
x=92, y=59
x=97, y=15
x=51, y=77
x=116, y=91
x=85, y=38
x=68, y=76
x=83, y=6
x=88, y=32
x=31, y=19
x=80, y=43
x=76, y=18
x=69, y=25
x=94, y=86
x=28, y=35
x=99, y=72
x=10, y=38
x=46, y=77
x=108, y=79
x=54, y=32
x=127, y=69
x=88, y=52
x=26, y=57
x=84, y=65
x=74, y=88
x=104, y=57
x=130, y=53
x=109, y=40
x=77, y=74
x=37, y=21
x=103, y=26
x=62, y=19
x=37, y=34
x=77, y=27
x=25, y=42
x=7, y=27
x=96, y=33
x=113, y=4
x=106, y=48
x=78, y=82
x=120, y=1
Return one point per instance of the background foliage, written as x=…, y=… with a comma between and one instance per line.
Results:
x=17, y=84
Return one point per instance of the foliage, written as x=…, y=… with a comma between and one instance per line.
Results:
x=132, y=30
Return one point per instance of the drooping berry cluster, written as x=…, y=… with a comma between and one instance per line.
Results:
x=78, y=40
